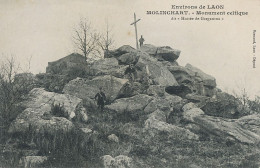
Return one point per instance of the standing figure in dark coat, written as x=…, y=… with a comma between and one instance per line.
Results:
x=141, y=41
x=130, y=72
x=100, y=98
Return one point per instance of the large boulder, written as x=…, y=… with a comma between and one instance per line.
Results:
x=157, y=72
x=41, y=99
x=155, y=90
x=133, y=106
x=131, y=89
x=226, y=129
x=63, y=65
x=155, y=126
x=161, y=53
x=251, y=122
x=128, y=58
x=223, y=105
x=87, y=89
x=40, y=103
x=120, y=51
x=145, y=65
x=206, y=79
x=165, y=104
x=194, y=79
x=107, y=66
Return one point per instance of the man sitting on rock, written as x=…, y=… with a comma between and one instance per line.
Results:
x=130, y=72
x=100, y=98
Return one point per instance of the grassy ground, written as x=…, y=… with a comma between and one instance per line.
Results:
x=80, y=150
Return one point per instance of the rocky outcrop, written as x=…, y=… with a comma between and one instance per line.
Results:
x=155, y=90
x=133, y=106
x=129, y=90
x=87, y=89
x=223, y=105
x=128, y=58
x=251, y=122
x=226, y=129
x=194, y=80
x=145, y=64
x=161, y=53
x=165, y=104
x=206, y=79
x=64, y=65
x=153, y=125
x=158, y=119
x=120, y=51
x=107, y=66
x=41, y=102
x=157, y=72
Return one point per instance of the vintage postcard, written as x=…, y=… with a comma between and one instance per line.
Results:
x=130, y=84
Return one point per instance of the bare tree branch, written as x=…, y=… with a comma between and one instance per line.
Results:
x=85, y=38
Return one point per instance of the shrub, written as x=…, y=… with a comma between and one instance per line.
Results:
x=58, y=110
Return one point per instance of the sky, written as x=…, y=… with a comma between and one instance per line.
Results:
x=41, y=31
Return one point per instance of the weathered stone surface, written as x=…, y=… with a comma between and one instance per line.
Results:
x=155, y=90
x=41, y=99
x=251, y=122
x=198, y=99
x=161, y=53
x=168, y=54
x=223, y=105
x=107, y=66
x=129, y=90
x=120, y=161
x=163, y=103
x=193, y=78
x=223, y=128
x=87, y=89
x=134, y=105
x=207, y=79
x=158, y=115
x=182, y=74
x=149, y=49
x=188, y=106
x=120, y=51
x=63, y=65
x=158, y=73
x=191, y=113
x=128, y=58
x=154, y=125
x=32, y=161
x=39, y=103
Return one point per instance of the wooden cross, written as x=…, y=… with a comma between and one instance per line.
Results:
x=135, y=21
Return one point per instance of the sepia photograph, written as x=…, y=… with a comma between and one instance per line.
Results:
x=129, y=84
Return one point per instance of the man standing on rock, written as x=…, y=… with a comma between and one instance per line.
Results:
x=141, y=41
x=100, y=98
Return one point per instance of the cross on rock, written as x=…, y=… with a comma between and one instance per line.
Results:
x=134, y=23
